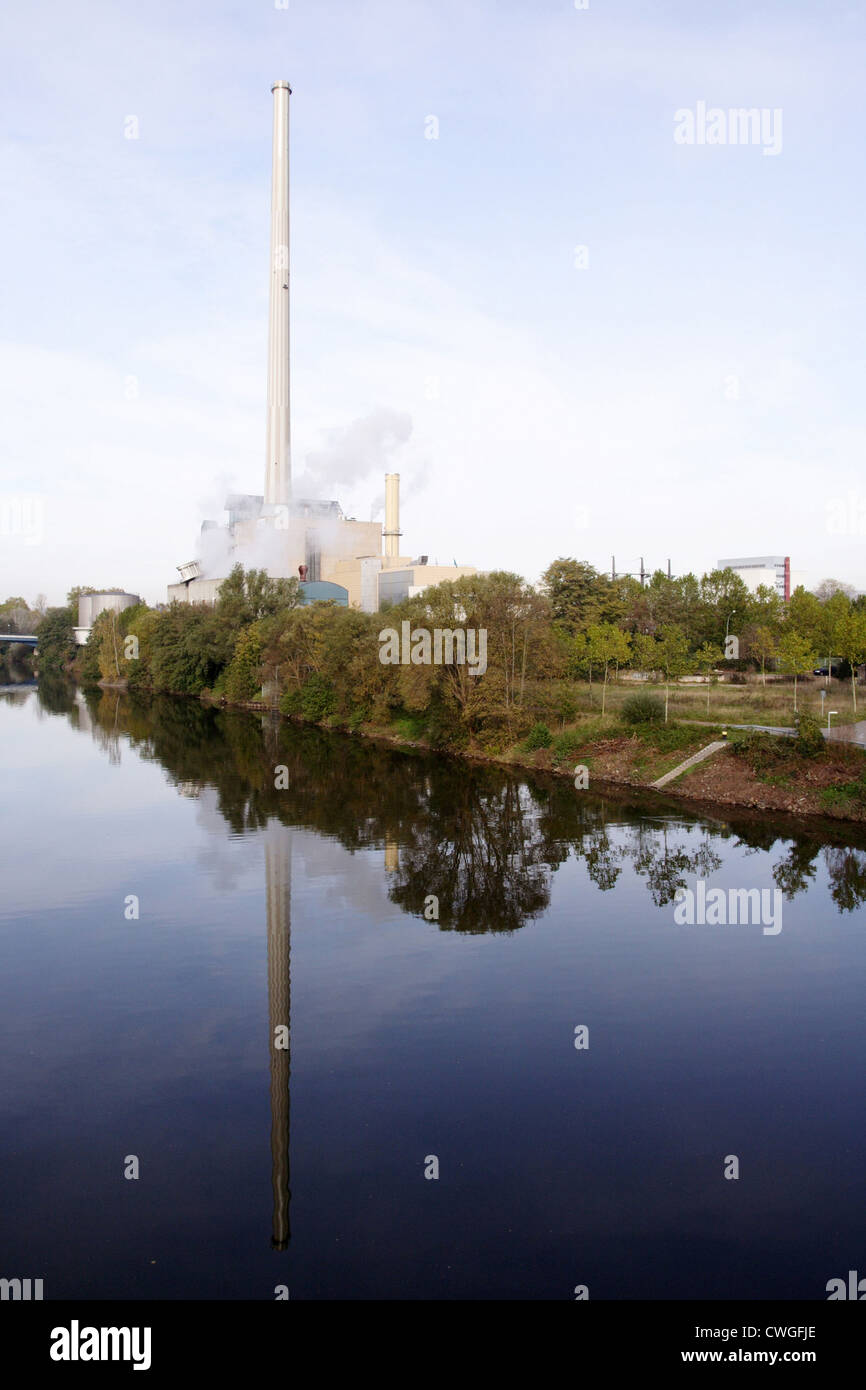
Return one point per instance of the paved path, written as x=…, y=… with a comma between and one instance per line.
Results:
x=756, y=728
x=690, y=762
x=838, y=733
x=848, y=733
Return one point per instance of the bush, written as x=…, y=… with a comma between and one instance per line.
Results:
x=845, y=796
x=290, y=702
x=643, y=708
x=668, y=738
x=539, y=736
x=810, y=740
x=411, y=726
x=568, y=743
x=318, y=699
x=762, y=752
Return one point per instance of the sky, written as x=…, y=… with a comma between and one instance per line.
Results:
x=596, y=339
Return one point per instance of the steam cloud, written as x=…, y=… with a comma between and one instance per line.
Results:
x=352, y=452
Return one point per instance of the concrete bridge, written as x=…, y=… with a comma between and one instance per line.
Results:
x=27, y=640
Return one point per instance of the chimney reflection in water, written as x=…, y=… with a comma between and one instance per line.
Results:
x=278, y=872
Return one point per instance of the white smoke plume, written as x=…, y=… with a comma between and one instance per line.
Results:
x=352, y=453
x=349, y=455
x=218, y=552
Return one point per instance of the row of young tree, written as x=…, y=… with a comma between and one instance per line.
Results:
x=322, y=662
x=684, y=625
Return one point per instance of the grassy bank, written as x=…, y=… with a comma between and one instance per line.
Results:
x=750, y=703
x=758, y=771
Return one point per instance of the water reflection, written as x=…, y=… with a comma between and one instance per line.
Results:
x=483, y=841
x=406, y=1042
x=278, y=876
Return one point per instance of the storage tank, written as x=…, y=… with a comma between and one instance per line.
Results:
x=91, y=605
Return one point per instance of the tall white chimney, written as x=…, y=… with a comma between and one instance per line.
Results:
x=278, y=466
x=392, y=515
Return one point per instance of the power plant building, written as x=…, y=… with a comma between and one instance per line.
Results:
x=772, y=571
x=308, y=538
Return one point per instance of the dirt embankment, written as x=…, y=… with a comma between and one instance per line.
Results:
x=795, y=785
x=831, y=785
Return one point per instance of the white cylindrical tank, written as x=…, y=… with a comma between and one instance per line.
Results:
x=91, y=605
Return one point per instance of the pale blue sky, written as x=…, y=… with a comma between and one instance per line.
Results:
x=694, y=392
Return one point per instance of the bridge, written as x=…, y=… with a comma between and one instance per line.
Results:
x=27, y=639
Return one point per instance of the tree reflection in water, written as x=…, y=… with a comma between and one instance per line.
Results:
x=485, y=841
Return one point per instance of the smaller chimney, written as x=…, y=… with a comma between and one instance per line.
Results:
x=391, y=534
x=302, y=571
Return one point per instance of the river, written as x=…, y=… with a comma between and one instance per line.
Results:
x=287, y=1010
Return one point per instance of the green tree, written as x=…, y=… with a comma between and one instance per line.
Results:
x=760, y=644
x=766, y=608
x=607, y=644
x=725, y=605
x=834, y=609
x=246, y=596
x=796, y=655
x=243, y=679
x=56, y=645
x=707, y=659
x=191, y=645
x=75, y=593
x=850, y=642
x=672, y=657
x=805, y=616
x=644, y=653
x=580, y=596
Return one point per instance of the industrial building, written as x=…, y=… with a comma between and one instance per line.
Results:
x=91, y=605
x=773, y=571
x=353, y=562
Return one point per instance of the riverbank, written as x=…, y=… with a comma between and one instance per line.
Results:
x=756, y=771
x=830, y=786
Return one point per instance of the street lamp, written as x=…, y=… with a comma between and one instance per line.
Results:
x=830, y=713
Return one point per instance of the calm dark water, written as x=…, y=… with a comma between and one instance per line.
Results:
x=409, y=1038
